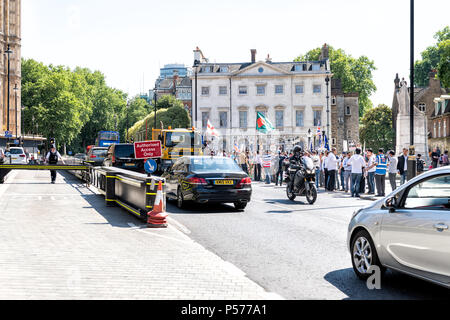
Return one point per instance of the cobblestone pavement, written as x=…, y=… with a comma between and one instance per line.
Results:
x=59, y=241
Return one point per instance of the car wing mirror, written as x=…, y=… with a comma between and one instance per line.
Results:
x=390, y=204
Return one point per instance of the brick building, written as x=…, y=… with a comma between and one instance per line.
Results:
x=344, y=117
x=440, y=123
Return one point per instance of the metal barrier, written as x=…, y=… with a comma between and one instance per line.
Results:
x=133, y=191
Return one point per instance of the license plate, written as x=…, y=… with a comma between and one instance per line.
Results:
x=224, y=182
x=129, y=164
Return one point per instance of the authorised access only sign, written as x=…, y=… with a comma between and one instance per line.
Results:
x=147, y=149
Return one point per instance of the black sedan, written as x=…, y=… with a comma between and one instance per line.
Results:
x=207, y=180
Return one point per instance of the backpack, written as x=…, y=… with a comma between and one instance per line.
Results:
x=53, y=158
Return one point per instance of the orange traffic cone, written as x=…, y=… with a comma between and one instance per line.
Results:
x=157, y=217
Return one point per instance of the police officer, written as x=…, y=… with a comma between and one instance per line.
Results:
x=52, y=158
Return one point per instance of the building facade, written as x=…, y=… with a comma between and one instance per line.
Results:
x=180, y=87
x=10, y=37
x=292, y=95
x=440, y=124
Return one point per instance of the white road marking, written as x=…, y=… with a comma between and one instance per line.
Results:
x=179, y=225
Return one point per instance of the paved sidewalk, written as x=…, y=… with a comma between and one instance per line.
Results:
x=61, y=242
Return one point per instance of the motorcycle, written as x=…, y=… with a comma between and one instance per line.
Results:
x=305, y=184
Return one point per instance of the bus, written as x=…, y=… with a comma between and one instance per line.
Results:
x=107, y=138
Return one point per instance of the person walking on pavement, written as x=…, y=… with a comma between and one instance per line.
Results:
x=392, y=169
x=325, y=170
x=347, y=168
x=380, y=173
x=434, y=158
x=358, y=163
x=443, y=160
x=332, y=166
x=420, y=164
x=371, y=164
x=52, y=158
x=279, y=174
x=258, y=165
x=402, y=166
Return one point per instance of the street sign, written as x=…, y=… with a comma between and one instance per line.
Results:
x=147, y=149
x=8, y=134
x=150, y=166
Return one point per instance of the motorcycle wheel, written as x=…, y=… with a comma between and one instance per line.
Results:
x=291, y=196
x=311, y=195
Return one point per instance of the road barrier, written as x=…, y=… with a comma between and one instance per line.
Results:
x=133, y=191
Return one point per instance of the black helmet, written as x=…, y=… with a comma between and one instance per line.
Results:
x=297, y=149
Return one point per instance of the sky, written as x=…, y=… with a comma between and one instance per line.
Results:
x=129, y=41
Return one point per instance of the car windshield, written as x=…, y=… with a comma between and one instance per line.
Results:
x=183, y=139
x=214, y=164
x=124, y=151
x=16, y=151
x=100, y=152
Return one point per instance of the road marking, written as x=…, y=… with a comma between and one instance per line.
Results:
x=146, y=231
x=179, y=225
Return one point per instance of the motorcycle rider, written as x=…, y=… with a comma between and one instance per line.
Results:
x=296, y=159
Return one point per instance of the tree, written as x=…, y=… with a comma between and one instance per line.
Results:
x=376, y=128
x=355, y=74
x=435, y=57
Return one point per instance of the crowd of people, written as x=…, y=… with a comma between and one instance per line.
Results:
x=358, y=172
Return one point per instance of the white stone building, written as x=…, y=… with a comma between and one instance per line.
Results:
x=293, y=95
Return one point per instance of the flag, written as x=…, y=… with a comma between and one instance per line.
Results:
x=326, y=142
x=263, y=124
x=311, y=147
x=211, y=130
x=319, y=133
x=236, y=148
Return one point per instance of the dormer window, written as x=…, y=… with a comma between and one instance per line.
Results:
x=316, y=67
x=207, y=69
x=298, y=67
x=223, y=69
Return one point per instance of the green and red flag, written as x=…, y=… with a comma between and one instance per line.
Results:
x=263, y=124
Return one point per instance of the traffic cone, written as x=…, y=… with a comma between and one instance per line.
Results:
x=157, y=217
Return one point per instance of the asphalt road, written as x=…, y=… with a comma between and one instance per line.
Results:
x=294, y=249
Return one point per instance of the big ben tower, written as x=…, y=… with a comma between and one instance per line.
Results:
x=10, y=51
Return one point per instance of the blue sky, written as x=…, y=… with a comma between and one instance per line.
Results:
x=130, y=40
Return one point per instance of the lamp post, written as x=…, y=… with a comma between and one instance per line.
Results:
x=327, y=81
x=309, y=138
x=15, y=99
x=8, y=53
x=196, y=67
x=128, y=105
x=412, y=157
x=155, y=99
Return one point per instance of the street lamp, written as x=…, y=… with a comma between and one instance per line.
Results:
x=128, y=105
x=412, y=158
x=327, y=81
x=155, y=99
x=309, y=138
x=8, y=52
x=15, y=99
x=196, y=66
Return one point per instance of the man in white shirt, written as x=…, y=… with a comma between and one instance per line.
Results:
x=392, y=169
x=371, y=168
x=332, y=163
x=358, y=163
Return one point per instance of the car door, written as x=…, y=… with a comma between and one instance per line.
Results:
x=171, y=182
x=416, y=235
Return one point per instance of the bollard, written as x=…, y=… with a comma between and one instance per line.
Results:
x=110, y=189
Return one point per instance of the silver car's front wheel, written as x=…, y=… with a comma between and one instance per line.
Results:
x=364, y=255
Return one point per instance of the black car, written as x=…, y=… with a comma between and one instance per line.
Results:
x=206, y=180
x=121, y=155
x=96, y=155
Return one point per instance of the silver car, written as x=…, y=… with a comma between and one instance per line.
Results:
x=407, y=231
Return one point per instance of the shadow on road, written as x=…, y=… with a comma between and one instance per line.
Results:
x=394, y=286
x=198, y=208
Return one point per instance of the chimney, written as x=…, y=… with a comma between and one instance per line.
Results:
x=268, y=59
x=253, y=52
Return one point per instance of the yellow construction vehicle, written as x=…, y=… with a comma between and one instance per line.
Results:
x=177, y=143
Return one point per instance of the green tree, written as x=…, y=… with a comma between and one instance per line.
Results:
x=376, y=128
x=435, y=57
x=354, y=73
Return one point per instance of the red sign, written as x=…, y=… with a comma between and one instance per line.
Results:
x=147, y=149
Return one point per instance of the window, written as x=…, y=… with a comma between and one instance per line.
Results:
x=431, y=194
x=205, y=117
x=223, y=119
x=349, y=134
x=333, y=100
x=206, y=69
x=223, y=69
x=260, y=89
x=316, y=67
x=279, y=118
x=299, y=118
x=348, y=111
x=222, y=90
x=205, y=91
x=242, y=89
x=422, y=107
x=317, y=117
x=317, y=88
x=278, y=89
x=299, y=67
x=333, y=141
x=243, y=119
x=299, y=89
